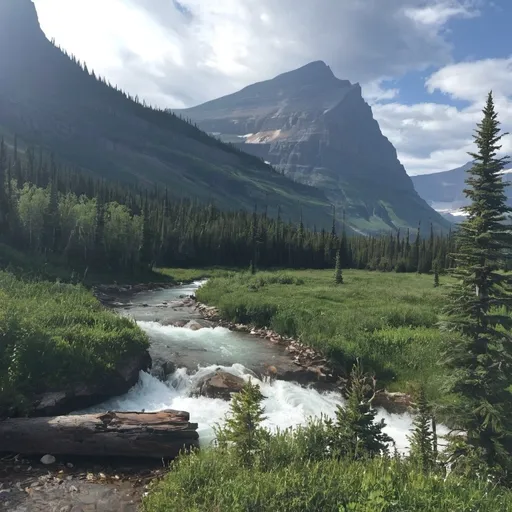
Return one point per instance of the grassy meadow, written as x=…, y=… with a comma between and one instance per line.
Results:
x=53, y=335
x=388, y=320
x=186, y=275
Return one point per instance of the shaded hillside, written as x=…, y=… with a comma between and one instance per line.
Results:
x=319, y=130
x=48, y=99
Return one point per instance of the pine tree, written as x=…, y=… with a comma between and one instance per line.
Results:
x=436, y=274
x=51, y=223
x=338, y=273
x=243, y=424
x=254, y=239
x=355, y=433
x=479, y=354
x=99, y=234
x=146, y=250
x=3, y=192
x=422, y=439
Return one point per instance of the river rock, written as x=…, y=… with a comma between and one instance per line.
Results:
x=193, y=325
x=220, y=384
x=162, y=368
x=114, y=383
x=393, y=402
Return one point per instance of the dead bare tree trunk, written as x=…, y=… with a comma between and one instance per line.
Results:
x=120, y=434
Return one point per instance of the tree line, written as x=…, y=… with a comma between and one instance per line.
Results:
x=58, y=211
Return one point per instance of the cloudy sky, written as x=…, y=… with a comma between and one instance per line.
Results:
x=425, y=65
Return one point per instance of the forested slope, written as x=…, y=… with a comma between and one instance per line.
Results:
x=49, y=99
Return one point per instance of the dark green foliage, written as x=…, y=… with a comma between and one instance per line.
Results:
x=422, y=440
x=243, y=425
x=292, y=473
x=436, y=274
x=99, y=234
x=355, y=433
x=55, y=335
x=478, y=341
x=338, y=273
x=3, y=192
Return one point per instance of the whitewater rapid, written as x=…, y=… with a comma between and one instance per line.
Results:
x=286, y=404
x=201, y=352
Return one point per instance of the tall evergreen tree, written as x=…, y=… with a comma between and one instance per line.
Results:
x=436, y=274
x=3, y=189
x=338, y=273
x=479, y=356
x=146, y=249
x=99, y=232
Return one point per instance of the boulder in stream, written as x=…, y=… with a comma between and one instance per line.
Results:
x=220, y=384
x=193, y=325
x=162, y=368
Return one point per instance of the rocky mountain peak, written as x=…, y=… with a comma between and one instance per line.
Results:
x=314, y=72
x=318, y=130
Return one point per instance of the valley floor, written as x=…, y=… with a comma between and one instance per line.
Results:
x=388, y=320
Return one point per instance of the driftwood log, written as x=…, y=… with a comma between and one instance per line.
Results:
x=121, y=434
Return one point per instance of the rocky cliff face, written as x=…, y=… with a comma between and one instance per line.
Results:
x=319, y=131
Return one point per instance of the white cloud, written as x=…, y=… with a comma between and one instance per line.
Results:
x=472, y=80
x=178, y=53
x=432, y=137
x=182, y=52
x=374, y=92
x=439, y=13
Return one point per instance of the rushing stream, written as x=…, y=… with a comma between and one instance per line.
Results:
x=196, y=353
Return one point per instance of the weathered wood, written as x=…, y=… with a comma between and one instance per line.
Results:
x=122, y=434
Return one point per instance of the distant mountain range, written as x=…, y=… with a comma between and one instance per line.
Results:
x=49, y=100
x=318, y=130
x=444, y=191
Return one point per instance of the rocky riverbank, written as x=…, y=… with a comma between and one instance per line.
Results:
x=312, y=367
x=308, y=366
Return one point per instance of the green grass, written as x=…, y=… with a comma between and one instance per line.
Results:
x=184, y=275
x=53, y=335
x=289, y=475
x=388, y=320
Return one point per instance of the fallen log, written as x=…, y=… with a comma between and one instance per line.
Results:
x=119, y=434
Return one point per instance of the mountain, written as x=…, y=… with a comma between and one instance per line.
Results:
x=318, y=130
x=48, y=99
x=444, y=191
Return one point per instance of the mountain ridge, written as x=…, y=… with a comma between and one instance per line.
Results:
x=48, y=99
x=444, y=190
x=318, y=130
